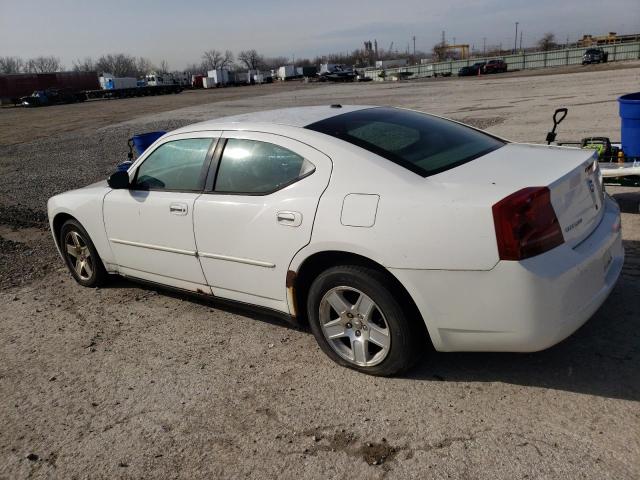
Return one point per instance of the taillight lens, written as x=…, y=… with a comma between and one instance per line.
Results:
x=526, y=224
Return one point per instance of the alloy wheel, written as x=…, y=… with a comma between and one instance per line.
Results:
x=79, y=255
x=354, y=326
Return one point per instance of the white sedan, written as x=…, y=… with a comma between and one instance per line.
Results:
x=385, y=229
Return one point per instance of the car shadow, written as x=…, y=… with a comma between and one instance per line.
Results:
x=629, y=202
x=602, y=358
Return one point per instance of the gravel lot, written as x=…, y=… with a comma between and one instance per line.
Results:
x=130, y=382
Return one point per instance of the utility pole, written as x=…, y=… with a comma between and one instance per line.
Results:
x=414, y=45
x=515, y=41
x=484, y=46
x=454, y=40
x=520, y=40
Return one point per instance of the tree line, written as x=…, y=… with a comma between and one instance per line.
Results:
x=124, y=65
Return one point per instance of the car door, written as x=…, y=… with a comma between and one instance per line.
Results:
x=150, y=225
x=258, y=214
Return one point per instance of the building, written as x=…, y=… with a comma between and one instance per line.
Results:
x=609, y=39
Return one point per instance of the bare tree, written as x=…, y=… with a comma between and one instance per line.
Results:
x=228, y=59
x=123, y=65
x=251, y=58
x=195, y=68
x=43, y=65
x=164, y=67
x=144, y=66
x=85, y=65
x=274, y=62
x=11, y=65
x=547, y=42
x=213, y=59
x=117, y=64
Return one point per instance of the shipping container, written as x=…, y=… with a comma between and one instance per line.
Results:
x=287, y=71
x=109, y=82
x=241, y=77
x=251, y=76
x=196, y=81
x=306, y=71
x=220, y=76
x=181, y=78
x=399, y=62
x=14, y=86
x=209, y=82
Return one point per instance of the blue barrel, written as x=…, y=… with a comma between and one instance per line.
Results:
x=144, y=140
x=630, y=115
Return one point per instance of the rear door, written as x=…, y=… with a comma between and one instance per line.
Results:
x=258, y=214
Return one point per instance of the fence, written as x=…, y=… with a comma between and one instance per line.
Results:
x=520, y=61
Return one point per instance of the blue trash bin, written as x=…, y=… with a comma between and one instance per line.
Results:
x=630, y=116
x=144, y=140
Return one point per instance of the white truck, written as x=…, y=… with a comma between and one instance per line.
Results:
x=220, y=76
x=109, y=82
x=286, y=72
x=156, y=79
x=398, y=62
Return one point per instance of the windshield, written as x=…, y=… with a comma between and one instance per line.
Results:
x=422, y=143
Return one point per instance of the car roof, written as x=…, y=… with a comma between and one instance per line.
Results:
x=294, y=117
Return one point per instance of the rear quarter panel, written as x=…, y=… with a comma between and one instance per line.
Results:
x=420, y=223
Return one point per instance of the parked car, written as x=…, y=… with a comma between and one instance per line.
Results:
x=472, y=69
x=53, y=96
x=595, y=55
x=385, y=229
x=495, y=66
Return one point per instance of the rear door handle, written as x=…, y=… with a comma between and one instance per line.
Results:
x=178, y=208
x=288, y=218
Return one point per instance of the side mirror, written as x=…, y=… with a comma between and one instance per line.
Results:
x=119, y=180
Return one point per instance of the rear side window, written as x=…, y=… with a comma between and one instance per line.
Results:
x=422, y=143
x=249, y=166
x=174, y=165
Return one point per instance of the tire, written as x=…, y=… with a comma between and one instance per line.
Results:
x=80, y=255
x=361, y=332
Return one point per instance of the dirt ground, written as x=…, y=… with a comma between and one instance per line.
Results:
x=43, y=122
x=131, y=382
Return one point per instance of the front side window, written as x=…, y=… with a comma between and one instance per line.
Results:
x=249, y=166
x=422, y=143
x=174, y=165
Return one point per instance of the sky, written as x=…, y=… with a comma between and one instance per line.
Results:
x=178, y=31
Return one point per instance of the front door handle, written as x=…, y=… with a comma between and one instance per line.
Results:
x=288, y=218
x=178, y=208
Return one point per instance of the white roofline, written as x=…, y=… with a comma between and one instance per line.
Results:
x=293, y=117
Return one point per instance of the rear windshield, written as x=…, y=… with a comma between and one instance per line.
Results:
x=422, y=143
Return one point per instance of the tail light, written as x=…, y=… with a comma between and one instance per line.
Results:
x=526, y=224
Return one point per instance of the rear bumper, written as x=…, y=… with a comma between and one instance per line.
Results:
x=520, y=306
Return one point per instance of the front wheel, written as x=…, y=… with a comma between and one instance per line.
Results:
x=80, y=255
x=359, y=323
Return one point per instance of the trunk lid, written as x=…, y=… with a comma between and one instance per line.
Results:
x=571, y=174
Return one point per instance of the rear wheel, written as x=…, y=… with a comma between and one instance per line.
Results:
x=80, y=255
x=359, y=323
